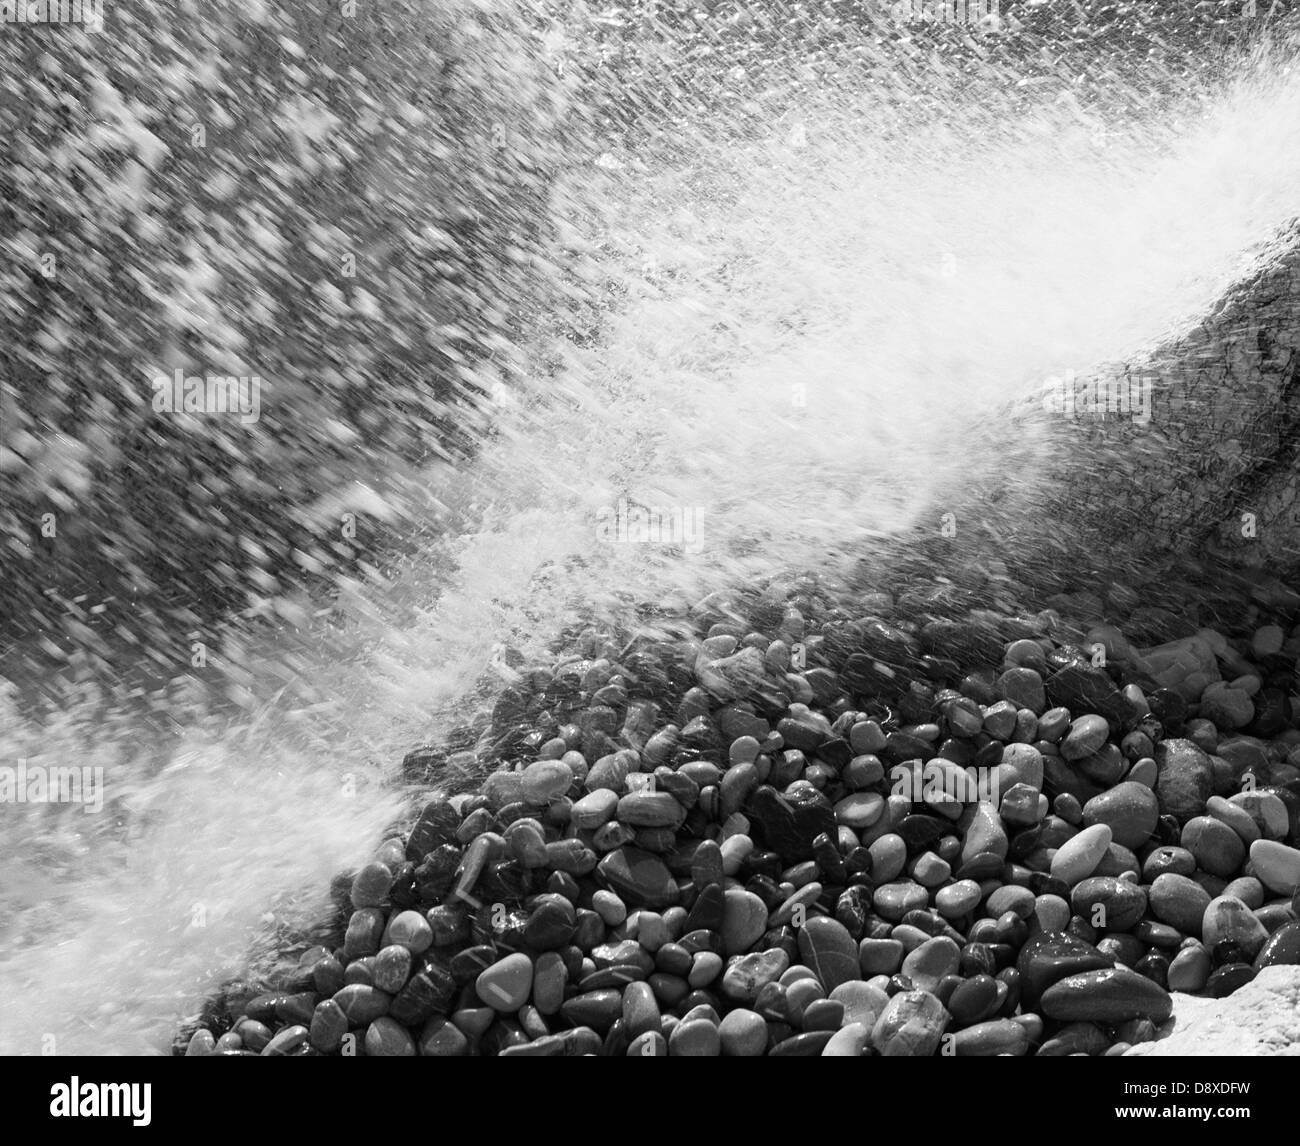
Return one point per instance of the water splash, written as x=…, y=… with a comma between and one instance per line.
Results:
x=805, y=324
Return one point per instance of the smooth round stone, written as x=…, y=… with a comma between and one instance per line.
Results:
x=1227, y=918
x=545, y=780
x=1179, y=902
x=594, y=810
x=650, y=810
x=1144, y=772
x=411, y=930
x=744, y=919
x=1130, y=811
x=1217, y=848
x=387, y=1038
x=550, y=977
x=697, y=1038
x=863, y=1003
x=640, y=878
x=957, y=899
x=1247, y=889
x=1052, y=912
x=1226, y=979
x=1086, y=735
x=986, y=865
x=363, y=1004
x=1227, y=707
x=848, y=1042
x=910, y=1026
x=1237, y=818
x=859, y=810
x=1168, y=860
x=1276, y=866
x=1020, y=764
x=1113, y=995
x=609, y=907
x=810, y=1044
x=1117, y=860
x=506, y=985
x=888, y=858
x=371, y=884
x=1079, y=856
x=929, y=870
x=931, y=961
x=1267, y=810
x=826, y=947
x=894, y=900
x=706, y=966
x=1190, y=969
x=596, y=1009
x=973, y=999
x=880, y=956
x=640, y=1010
x=823, y=1015
x=742, y=1034
x=1108, y=903
x=1282, y=947
x=1010, y=898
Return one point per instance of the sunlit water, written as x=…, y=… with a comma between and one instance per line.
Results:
x=809, y=324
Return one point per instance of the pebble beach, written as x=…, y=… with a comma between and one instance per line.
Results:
x=810, y=834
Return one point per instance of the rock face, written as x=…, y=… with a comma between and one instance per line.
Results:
x=1260, y=1019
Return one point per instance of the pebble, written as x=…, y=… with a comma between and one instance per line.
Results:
x=747, y=975
x=638, y=877
x=1087, y=735
x=742, y=1034
x=827, y=948
x=1227, y=918
x=1106, y=996
x=1079, y=856
x=1109, y=903
x=910, y=1026
x=441, y=1038
x=880, y=956
x=1276, y=866
x=744, y=919
x=927, y=964
x=594, y=810
x=545, y=780
x=859, y=810
x=1236, y=817
x=1184, y=780
x=506, y=985
x=894, y=900
x=1217, y=848
x=1282, y=947
x=1189, y=970
x=387, y=1038
x=958, y=899
x=988, y=1039
x=1129, y=809
x=985, y=835
x=696, y=1038
x=1049, y=957
x=862, y=1002
x=848, y=1042
x=888, y=858
x=1179, y=901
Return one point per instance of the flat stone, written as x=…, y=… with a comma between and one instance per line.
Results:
x=1113, y=995
x=1079, y=856
x=744, y=919
x=1276, y=866
x=638, y=877
x=827, y=948
x=1049, y=957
